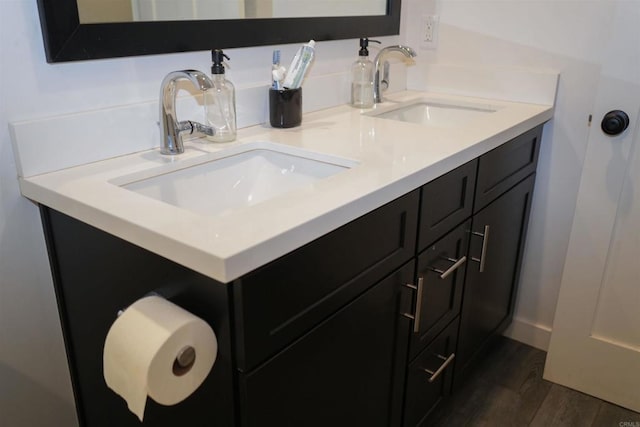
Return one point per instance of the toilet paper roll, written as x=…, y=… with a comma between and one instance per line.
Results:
x=158, y=349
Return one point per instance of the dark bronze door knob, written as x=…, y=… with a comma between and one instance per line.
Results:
x=615, y=122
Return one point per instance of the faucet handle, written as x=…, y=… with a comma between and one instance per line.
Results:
x=195, y=128
x=384, y=83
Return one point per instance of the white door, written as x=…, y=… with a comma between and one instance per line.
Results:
x=595, y=343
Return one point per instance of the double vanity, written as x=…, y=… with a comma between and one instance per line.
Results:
x=353, y=269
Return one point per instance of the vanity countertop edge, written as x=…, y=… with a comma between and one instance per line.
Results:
x=391, y=159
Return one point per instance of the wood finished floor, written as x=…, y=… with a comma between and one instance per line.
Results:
x=508, y=390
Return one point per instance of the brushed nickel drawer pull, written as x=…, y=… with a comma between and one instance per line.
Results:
x=485, y=244
x=418, y=309
x=414, y=287
x=416, y=321
x=445, y=273
x=409, y=316
x=436, y=374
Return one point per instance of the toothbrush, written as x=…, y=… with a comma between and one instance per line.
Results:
x=275, y=70
x=277, y=76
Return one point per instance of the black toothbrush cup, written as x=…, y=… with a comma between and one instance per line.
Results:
x=285, y=107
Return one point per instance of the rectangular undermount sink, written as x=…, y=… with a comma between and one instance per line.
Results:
x=436, y=114
x=236, y=178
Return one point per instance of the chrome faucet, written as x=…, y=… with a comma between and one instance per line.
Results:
x=172, y=129
x=380, y=85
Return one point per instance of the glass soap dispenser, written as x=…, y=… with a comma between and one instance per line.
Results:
x=220, y=102
x=362, y=77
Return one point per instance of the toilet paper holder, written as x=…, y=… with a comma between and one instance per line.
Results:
x=184, y=361
x=186, y=356
x=148, y=294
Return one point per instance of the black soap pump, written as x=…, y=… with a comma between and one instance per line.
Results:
x=220, y=101
x=362, y=77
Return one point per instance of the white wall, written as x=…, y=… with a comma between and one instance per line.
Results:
x=34, y=380
x=563, y=35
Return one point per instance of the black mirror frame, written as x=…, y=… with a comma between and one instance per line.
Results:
x=66, y=39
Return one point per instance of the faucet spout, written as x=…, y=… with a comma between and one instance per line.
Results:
x=382, y=84
x=171, y=128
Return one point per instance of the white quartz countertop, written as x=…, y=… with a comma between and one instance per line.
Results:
x=391, y=158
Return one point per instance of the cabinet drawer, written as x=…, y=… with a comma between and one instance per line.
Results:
x=279, y=302
x=429, y=377
x=342, y=372
x=446, y=202
x=505, y=166
x=441, y=272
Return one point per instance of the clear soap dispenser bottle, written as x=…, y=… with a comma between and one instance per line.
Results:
x=220, y=102
x=362, y=77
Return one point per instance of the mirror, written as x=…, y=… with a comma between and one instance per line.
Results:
x=99, y=11
x=75, y=30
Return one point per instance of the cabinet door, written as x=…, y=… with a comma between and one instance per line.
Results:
x=439, y=284
x=497, y=242
x=429, y=377
x=347, y=371
x=282, y=300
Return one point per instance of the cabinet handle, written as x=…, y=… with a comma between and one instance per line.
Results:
x=418, y=311
x=436, y=374
x=485, y=243
x=445, y=273
x=416, y=321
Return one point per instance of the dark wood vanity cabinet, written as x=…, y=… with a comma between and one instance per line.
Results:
x=504, y=189
x=497, y=242
x=429, y=377
x=277, y=303
x=372, y=324
x=346, y=371
x=442, y=258
x=468, y=279
x=320, y=334
x=446, y=202
x=96, y=275
x=503, y=167
x=440, y=282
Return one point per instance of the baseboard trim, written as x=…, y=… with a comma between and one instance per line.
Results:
x=532, y=334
